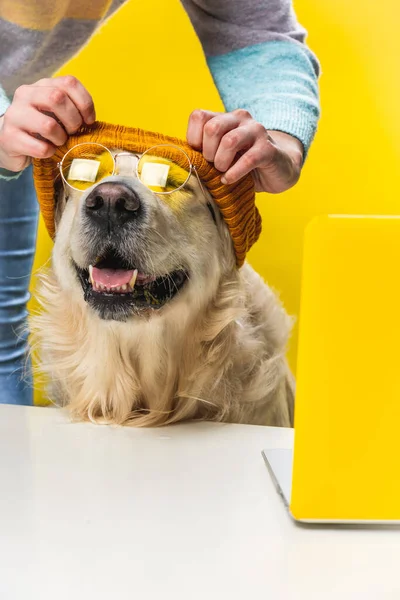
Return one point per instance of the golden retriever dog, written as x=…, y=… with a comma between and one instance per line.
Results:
x=145, y=318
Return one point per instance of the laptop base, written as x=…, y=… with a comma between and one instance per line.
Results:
x=280, y=465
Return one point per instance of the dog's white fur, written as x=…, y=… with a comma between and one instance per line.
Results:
x=216, y=351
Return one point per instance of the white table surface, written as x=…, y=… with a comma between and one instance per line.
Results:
x=187, y=512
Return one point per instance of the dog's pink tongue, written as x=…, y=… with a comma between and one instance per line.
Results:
x=112, y=277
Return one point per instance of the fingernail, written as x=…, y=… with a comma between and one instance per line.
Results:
x=223, y=180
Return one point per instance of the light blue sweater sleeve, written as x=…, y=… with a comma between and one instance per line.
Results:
x=4, y=104
x=276, y=82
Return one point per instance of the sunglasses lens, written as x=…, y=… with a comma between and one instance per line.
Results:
x=164, y=169
x=87, y=164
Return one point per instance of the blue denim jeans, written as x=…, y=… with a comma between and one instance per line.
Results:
x=18, y=228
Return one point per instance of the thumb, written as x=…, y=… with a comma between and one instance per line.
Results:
x=7, y=161
x=13, y=163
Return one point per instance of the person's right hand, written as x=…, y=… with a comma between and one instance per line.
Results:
x=40, y=117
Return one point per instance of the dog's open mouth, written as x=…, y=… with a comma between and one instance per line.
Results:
x=115, y=289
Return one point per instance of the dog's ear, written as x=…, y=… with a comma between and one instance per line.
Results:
x=60, y=200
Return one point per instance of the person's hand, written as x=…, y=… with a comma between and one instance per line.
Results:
x=40, y=117
x=237, y=145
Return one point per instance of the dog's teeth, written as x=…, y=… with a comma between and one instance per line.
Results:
x=91, y=276
x=133, y=280
x=124, y=287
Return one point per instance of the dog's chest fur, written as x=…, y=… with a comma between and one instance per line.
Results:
x=227, y=364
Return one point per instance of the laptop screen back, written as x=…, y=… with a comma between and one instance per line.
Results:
x=347, y=414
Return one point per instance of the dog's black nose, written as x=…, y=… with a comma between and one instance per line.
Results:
x=114, y=202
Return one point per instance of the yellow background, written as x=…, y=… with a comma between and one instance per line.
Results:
x=146, y=68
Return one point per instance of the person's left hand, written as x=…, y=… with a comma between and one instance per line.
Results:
x=237, y=145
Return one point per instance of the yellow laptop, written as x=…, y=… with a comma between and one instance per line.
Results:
x=345, y=463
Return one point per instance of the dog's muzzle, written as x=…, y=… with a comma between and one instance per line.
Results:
x=120, y=282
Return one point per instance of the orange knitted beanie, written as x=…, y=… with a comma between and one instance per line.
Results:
x=236, y=202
